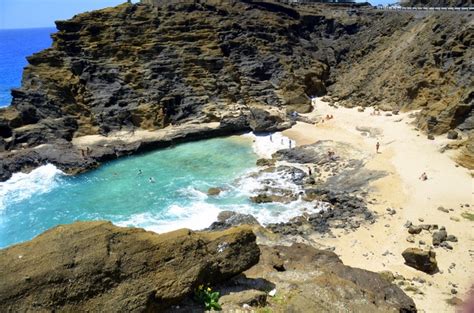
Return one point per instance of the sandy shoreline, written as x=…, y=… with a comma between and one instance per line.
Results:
x=405, y=154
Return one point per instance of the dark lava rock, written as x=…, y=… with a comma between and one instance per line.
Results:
x=414, y=229
x=422, y=260
x=317, y=281
x=227, y=219
x=452, y=134
x=265, y=162
x=439, y=237
x=92, y=266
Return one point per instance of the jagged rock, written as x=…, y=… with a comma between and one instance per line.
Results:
x=452, y=134
x=89, y=266
x=227, y=219
x=413, y=229
x=265, y=162
x=422, y=260
x=439, y=237
x=267, y=198
x=312, y=280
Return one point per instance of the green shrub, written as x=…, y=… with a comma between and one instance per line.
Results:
x=206, y=296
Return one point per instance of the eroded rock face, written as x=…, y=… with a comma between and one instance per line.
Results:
x=89, y=266
x=240, y=64
x=430, y=59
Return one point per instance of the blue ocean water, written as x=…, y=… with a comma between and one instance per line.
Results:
x=161, y=190
x=15, y=46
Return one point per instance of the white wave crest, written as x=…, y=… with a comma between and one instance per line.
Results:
x=197, y=215
x=22, y=186
x=265, y=145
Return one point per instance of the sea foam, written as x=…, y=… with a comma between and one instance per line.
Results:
x=22, y=186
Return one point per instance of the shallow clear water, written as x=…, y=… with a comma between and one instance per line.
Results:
x=15, y=46
x=30, y=204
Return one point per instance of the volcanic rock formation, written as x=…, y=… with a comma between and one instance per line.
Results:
x=241, y=65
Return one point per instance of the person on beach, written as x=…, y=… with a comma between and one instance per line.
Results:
x=377, y=146
x=289, y=143
x=271, y=139
x=423, y=176
x=309, y=171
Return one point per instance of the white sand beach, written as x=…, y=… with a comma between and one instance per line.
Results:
x=405, y=153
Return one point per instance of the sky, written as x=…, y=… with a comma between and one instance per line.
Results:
x=43, y=13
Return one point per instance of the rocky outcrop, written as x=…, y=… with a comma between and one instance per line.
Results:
x=309, y=280
x=89, y=266
x=239, y=64
x=228, y=219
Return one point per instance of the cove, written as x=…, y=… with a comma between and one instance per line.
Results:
x=121, y=191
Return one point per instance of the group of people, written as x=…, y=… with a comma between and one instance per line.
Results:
x=86, y=152
x=151, y=180
x=376, y=112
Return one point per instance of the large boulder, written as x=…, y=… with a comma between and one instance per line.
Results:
x=89, y=266
x=311, y=280
x=420, y=259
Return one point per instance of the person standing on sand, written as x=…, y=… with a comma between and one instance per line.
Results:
x=309, y=171
x=377, y=146
x=289, y=143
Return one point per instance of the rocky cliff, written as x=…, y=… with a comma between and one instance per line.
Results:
x=96, y=266
x=240, y=65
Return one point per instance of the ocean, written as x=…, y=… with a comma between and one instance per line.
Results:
x=15, y=46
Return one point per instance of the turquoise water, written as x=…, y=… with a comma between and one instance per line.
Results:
x=15, y=46
x=30, y=204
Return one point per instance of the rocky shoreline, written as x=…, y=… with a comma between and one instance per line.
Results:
x=160, y=72
x=95, y=265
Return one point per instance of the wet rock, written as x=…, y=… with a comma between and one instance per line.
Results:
x=88, y=266
x=265, y=162
x=422, y=260
x=227, y=219
x=267, y=198
x=214, y=191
